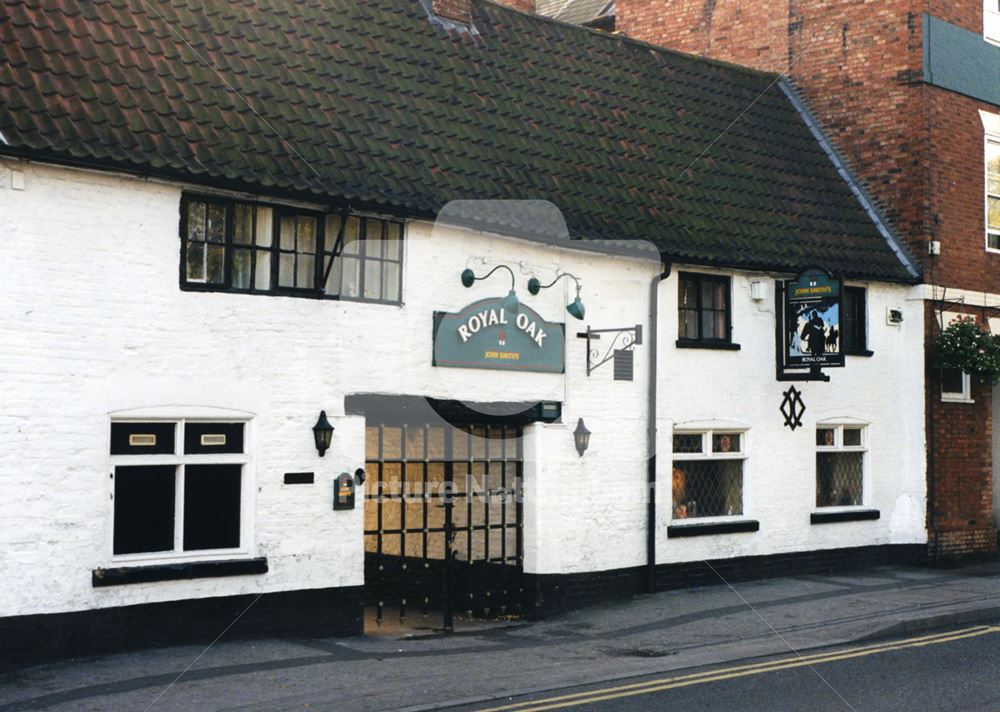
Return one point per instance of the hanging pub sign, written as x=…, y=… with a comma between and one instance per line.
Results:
x=487, y=334
x=812, y=333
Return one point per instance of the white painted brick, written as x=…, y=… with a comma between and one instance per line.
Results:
x=95, y=323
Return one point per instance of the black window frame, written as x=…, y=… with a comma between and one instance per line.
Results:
x=325, y=245
x=701, y=278
x=854, y=327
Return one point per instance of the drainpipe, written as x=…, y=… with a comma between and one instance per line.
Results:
x=931, y=451
x=654, y=293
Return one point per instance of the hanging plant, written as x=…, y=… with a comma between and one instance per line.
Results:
x=964, y=345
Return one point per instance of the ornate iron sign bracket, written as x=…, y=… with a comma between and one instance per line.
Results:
x=624, y=339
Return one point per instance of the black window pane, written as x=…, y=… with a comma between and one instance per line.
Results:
x=839, y=478
x=689, y=324
x=262, y=269
x=142, y=438
x=241, y=269
x=952, y=380
x=196, y=220
x=826, y=437
x=852, y=437
x=394, y=241
x=286, y=270
x=684, y=442
x=707, y=488
x=200, y=438
x=212, y=507
x=853, y=319
x=243, y=224
x=216, y=223
x=726, y=442
x=144, y=509
x=196, y=262
x=215, y=264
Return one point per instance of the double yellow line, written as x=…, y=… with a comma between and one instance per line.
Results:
x=669, y=683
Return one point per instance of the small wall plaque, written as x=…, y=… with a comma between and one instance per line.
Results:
x=213, y=439
x=299, y=478
x=142, y=439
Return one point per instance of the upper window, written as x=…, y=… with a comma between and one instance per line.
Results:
x=956, y=385
x=708, y=473
x=248, y=247
x=991, y=20
x=853, y=322
x=179, y=487
x=840, y=465
x=704, y=309
x=993, y=193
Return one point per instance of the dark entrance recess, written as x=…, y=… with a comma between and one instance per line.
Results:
x=443, y=509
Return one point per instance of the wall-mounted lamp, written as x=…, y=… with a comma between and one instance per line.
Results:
x=576, y=308
x=322, y=433
x=581, y=437
x=510, y=303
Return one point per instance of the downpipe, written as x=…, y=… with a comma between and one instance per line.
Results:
x=654, y=333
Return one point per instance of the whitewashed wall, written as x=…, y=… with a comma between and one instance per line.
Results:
x=885, y=391
x=95, y=325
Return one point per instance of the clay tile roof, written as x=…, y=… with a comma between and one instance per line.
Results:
x=370, y=103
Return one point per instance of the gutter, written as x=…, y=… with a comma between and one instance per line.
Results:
x=654, y=304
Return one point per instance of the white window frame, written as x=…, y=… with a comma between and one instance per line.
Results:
x=963, y=396
x=838, y=427
x=991, y=139
x=706, y=454
x=180, y=460
x=991, y=21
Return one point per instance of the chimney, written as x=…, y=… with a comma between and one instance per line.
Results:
x=461, y=10
x=754, y=33
x=457, y=10
x=523, y=5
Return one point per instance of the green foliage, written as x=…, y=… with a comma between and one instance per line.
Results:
x=964, y=345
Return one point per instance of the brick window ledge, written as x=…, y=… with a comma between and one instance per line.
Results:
x=177, y=572
x=850, y=515
x=710, y=528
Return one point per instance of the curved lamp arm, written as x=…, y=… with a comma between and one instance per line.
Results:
x=469, y=277
x=510, y=302
x=576, y=309
x=534, y=286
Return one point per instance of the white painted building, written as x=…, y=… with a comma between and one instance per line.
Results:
x=156, y=442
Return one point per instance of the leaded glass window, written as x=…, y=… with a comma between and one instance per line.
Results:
x=707, y=478
x=840, y=465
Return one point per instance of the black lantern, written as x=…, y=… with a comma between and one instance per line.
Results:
x=323, y=433
x=581, y=436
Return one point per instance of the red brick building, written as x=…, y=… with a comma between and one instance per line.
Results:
x=909, y=91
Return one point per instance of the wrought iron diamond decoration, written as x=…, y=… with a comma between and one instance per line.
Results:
x=792, y=407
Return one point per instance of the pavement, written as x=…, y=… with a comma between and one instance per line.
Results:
x=486, y=665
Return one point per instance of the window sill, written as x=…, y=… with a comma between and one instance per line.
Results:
x=849, y=515
x=675, y=531
x=702, y=344
x=957, y=400
x=859, y=352
x=119, y=576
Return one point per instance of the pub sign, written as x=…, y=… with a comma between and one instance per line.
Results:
x=485, y=334
x=812, y=333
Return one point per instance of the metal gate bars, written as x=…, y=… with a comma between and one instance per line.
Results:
x=443, y=521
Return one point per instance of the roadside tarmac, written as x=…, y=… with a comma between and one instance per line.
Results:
x=646, y=635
